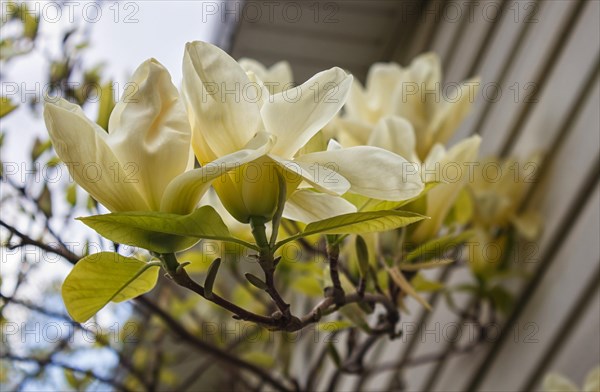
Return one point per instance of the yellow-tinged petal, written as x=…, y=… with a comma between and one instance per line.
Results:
x=382, y=80
x=184, y=192
x=441, y=198
x=277, y=78
x=453, y=111
x=357, y=107
x=82, y=145
x=223, y=111
x=420, y=92
x=554, y=382
x=297, y=114
x=149, y=131
x=395, y=134
x=307, y=206
x=592, y=381
x=351, y=133
x=321, y=177
x=371, y=171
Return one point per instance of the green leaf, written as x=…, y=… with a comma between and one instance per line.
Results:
x=355, y=314
x=107, y=104
x=162, y=232
x=419, y=283
x=39, y=147
x=198, y=261
x=429, y=264
x=333, y=326
x=71, y=194
x=502, y=298
x=362, y=254
x=308, y=284
x=6, y=106
x=358, y=223
x=45, y=201
x=103, y=277
x=438, y=247
x=211, y=275
x=30, y=21
x=401, y=281
x=333, y=353
x=256, y=281
x=260, y=358
x=462, y=211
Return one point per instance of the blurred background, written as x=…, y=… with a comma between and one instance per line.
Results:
x=540, y=93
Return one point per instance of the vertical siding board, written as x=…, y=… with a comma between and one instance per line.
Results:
x=507, y=46
x=427, y=30
x=542, y=77
x=581, y=346
x=509, y=113
x=557, y=207
x=564, y=84
x=557, y=344
x=557, y=294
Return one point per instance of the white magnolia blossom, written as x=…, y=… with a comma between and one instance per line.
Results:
x=414, y=93
x=143, y=161
x=230, y=109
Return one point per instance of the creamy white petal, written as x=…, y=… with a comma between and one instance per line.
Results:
x=149, y=131
x=554, y=382
x=441, y=198
x=217, y=92
x=419, y=92
x=281, y=72
x=357, y=105
x=278, y=77
x=383, y=79
x=464, y=151
x=184, y=192
x=308, y=206
x=372, y=171
x=251, y=65
x=297, y=114
x=592, y=381
x=320, y=176
x=395, y=134
x=333, y=145
x=352, y=133
x=453, y=111
x=81, y=144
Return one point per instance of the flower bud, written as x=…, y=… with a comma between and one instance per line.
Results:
x=252, y=190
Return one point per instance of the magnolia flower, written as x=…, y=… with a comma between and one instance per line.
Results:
x=450, y=168
x=230, y=108
x=554, y=382
x=143, y=162
x=414, y=93
x=498, y=189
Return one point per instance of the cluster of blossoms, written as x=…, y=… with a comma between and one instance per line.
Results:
x=232, y=137
x=331, y=156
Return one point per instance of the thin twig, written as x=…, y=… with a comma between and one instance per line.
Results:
x=209, y=348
